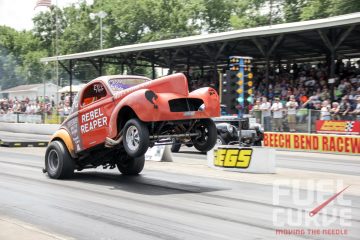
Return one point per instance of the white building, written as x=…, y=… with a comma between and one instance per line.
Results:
x=31, y=91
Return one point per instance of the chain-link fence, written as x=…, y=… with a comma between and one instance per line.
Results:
x=52, y=117
x=36, y=103
x=304, y=121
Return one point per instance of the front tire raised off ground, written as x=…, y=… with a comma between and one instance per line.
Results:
x=136, y=138
x=207, y=140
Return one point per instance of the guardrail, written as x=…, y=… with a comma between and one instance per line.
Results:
x=21, y=118
x=32, y=118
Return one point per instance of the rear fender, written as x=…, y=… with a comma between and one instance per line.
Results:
x=65, y=137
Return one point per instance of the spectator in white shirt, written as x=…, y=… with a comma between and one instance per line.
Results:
x=291, y=106
x=266, y=113
x=277, y=109
x=325, y=111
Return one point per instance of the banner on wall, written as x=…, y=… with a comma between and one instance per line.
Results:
x=313, y=142
x=338, y=126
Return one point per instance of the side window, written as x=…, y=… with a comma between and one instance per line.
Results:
x=93, y=93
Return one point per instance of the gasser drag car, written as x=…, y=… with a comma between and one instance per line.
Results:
x=115, y=119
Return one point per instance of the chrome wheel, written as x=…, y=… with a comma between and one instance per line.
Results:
x=218, y=141
x=132, y=138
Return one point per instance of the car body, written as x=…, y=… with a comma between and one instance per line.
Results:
x=118, y=117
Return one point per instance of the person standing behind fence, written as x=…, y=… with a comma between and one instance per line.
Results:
x=356, y=111
x=291, y=106
x=344, y=108
x=256, y=112
x=277, y=109
x=266, y=113
x=325, y=111
x=334, y=111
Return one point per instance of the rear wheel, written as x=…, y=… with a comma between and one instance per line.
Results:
x=208, y=135
x=58, y=162
x=257, y=143
x=220, y=141
x=131, y=166
x=136, y=138
x=176, y=145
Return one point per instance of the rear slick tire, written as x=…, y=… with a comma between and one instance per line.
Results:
x=175, y=147
x=131, y=166
x=58, y=162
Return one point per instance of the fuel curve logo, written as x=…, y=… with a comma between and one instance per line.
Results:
x=321, y=206
x=332, y=215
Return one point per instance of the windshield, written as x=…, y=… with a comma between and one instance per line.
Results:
x=119, y=84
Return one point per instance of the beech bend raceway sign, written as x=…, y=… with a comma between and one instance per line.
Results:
x=314, y=142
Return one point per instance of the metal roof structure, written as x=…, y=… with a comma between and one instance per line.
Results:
x=307, y=39
x=330, y=38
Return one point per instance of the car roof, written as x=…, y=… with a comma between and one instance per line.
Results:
x=108, y=77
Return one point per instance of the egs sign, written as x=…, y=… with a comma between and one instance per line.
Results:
x=232, y=157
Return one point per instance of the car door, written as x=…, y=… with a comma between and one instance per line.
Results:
x=96, y=105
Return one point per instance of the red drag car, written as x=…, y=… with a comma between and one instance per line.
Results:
x=115, y=119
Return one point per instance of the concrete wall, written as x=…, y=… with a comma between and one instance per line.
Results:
x=41, y=129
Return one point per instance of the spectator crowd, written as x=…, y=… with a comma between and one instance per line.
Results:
x=291, y=92
x=294, y=91
x=37, y=106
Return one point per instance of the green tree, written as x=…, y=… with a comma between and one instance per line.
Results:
x=315, y=9
x=250, y=14
x=20, y=53
x=292, y=10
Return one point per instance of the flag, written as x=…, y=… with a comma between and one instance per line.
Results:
x=45, y=3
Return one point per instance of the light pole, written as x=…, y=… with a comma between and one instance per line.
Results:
x=100, y=15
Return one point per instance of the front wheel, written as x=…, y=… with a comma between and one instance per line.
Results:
x=208, y=135
x=131, y=166
x=58, y=161
x=136, y=138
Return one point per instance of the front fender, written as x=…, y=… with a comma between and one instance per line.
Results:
x=210, y=98
x=137, y=102
x=151, y=106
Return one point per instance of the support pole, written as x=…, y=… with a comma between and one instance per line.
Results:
x=71, y=65
x=215, y=73
x=100, y=66
x=262, y=49
x=332, y=72
x=267, y=67
x=153, y=70
x=332, y=46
